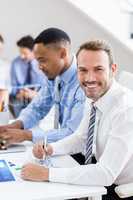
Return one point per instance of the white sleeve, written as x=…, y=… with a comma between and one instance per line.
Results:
x=116, y=155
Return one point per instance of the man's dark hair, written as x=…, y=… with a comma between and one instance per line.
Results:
x=52, y=36
x=26, y=42
x=1, y=39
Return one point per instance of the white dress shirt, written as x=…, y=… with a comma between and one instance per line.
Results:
x=113, y=142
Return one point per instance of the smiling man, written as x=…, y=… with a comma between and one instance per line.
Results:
x=100, y=77
x=105, y=133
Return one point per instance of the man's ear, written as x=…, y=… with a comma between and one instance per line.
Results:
x=114, y=68
x=63, y=53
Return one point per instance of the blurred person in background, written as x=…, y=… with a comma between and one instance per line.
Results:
x=26, y=78
x=4, y=77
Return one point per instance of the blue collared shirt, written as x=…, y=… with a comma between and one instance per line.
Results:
x=71, y=107
x=19, y=70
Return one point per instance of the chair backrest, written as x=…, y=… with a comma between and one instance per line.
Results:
x=125, y=190
x=126, y=79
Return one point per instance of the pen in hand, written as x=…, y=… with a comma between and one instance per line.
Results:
x=45, y=147
x=46, y=158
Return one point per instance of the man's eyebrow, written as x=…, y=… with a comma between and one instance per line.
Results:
x=40, y=57
x=96, y=66
x=80, y=65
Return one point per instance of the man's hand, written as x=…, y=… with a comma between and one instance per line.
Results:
x=15, y=125
x=11, y=136
x=20, y=95
x=26, y=94
x=35, y=172
x=29, y=93
x=40, y=152
x=3, y=128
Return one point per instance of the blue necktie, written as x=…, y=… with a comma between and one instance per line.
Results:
x=89, y=143
x=57, y=103
x=28, y=77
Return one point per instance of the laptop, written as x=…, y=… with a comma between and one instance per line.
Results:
x=14, y=148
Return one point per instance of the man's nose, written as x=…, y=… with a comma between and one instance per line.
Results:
x=41, y=66
x=90, y=76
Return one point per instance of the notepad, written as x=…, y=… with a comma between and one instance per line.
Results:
x=14, y=148
x=5, y=172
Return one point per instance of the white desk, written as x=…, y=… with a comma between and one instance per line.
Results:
x=26, y=190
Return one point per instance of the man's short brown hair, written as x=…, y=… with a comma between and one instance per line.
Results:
x=97, y=45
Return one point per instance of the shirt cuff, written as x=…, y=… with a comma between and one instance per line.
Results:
x=37, y=134
x=23, y=121
x=56, y=150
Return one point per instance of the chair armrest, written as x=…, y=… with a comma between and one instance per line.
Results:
x=125, y=190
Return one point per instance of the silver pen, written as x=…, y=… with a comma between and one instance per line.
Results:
x=46, y=158
x=46, y=161
x=45, y=147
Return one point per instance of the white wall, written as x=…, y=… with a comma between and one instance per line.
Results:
x=18, y=18
x=32, y=16
x=107, y=13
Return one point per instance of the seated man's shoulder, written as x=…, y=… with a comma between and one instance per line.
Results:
x=18, y=60
x=122, y=101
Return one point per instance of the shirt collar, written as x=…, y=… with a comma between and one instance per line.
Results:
x=70, y=72
x=33, y=62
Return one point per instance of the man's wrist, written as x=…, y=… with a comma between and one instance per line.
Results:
x=17, y=125
x=27, y=135
x=46, y=174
